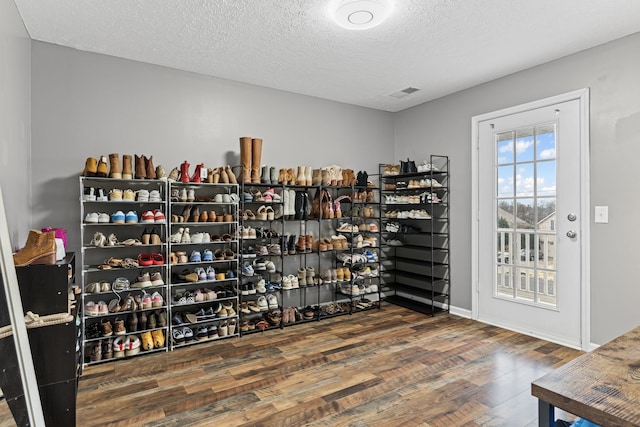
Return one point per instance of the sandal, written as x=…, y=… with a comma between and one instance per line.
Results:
x=257, y=196
x=129, y=263
x=248, y=215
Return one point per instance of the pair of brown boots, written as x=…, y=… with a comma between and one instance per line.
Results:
x=250, y=157
x=144, y=168
x=39, y=249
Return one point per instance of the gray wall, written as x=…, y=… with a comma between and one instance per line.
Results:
x=87, y=104
x=612, y=72
x=15, y=121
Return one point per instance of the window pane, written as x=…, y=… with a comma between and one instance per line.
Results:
x=505, y=147
x=525, y=288
x=504, y=282
x=524, y=180
x=524, y=145
x=546, y=178
x=525, y=214
x=504, y=245
x=505, y=214
x=546, y=214
x=505, y=181
x=546, y=142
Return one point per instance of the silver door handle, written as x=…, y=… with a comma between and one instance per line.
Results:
x=571, y=234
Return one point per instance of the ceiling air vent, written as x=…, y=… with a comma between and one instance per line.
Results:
x=404, y=92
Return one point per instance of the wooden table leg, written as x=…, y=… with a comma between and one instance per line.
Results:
x=546, y=417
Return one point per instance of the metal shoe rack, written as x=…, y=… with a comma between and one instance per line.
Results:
x=416, y=250
x=110, y=271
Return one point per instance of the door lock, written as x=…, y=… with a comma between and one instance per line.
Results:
x=571, y=234
x=572, y=217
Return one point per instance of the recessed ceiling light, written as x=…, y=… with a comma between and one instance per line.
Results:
x=361, y=14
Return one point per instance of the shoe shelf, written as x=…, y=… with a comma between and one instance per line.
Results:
x=261, y=216
x=203, y=225
x=123, y=225
x=415, y=233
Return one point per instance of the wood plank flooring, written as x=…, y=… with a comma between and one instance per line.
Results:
x=388, y=367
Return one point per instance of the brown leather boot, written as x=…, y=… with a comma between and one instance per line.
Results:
x=114, y=166
x=127, y=167
x=245, y=158
x=150, y=169
x=102, y=167
x=90, y=167
x=40, y=249
x=309, y=242
x=256, y=158
x=210, y=176
x=141, y=169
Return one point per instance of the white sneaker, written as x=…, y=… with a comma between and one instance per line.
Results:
x=91, y=218
x=89, y=194
x=104, y=218
x=272, y=302
x=101, y=196
x=186, y=238
x=177, y=236
x=143, y=195
x=154, y=196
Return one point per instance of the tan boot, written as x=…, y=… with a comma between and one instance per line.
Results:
x=291, y=176
x=308, y=175
x=301, y=179
x=150, y=169
x=256, y=157
x=316, y=177
x=114, y=166
x=90, y=167
x=209, y=176
x=282, y=176
x=127, y=167
x=102, y=171
x=40, y=249
x=326, y=177
x=230, y=175
x=224, y=178
x=245, y=158
x=141, y=169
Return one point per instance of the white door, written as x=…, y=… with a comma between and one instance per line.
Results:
x=530, y=222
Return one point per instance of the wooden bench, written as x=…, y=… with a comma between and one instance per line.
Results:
x=602, y=386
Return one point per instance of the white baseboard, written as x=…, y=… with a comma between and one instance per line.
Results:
x=462, y=312
x=592, y=346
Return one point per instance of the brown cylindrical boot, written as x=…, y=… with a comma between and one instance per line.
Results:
x=309, y=242
x=40, y=249
x=141, y=169
x=209, y=175
x=316, y=177
x=90, y=167
x=245, y=158
x=282, y=176
x=256, y=158
x=114, y=166
x=291, y=176
x=127, y=167
x=150, y=169
x=102, y=171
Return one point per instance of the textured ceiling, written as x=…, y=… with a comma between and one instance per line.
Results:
x=439, y=46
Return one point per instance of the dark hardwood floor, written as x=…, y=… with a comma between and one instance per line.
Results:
x=392, y=367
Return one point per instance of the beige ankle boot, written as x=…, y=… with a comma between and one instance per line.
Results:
x=308, y=174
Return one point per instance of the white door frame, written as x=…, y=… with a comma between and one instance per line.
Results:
x=585, y=283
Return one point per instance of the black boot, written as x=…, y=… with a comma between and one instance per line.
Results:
x=404, y=167
x=299, y=203
x=292, y=244
x=412, y=166
x=305, y=205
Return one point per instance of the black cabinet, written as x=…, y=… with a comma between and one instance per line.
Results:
x=44, y=290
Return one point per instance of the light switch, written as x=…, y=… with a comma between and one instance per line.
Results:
x=602, y=214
